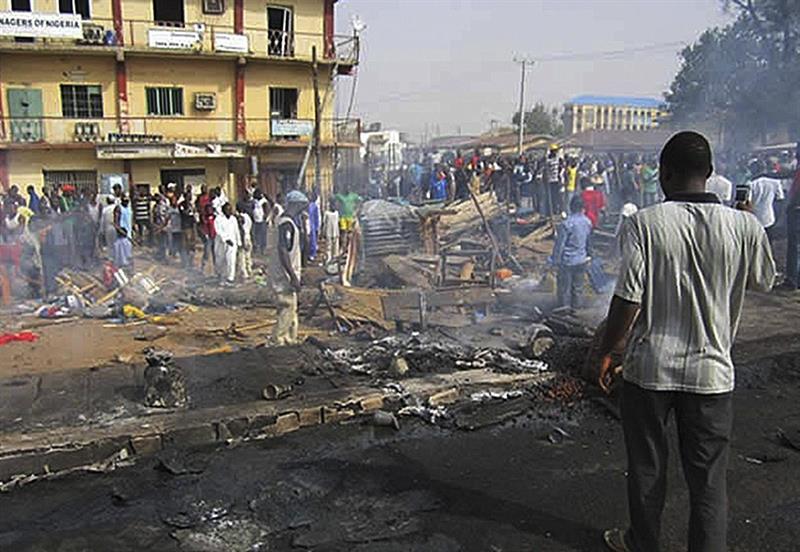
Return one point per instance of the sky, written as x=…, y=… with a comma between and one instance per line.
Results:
x=448, y=65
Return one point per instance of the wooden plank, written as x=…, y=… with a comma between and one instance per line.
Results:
x=458, y=297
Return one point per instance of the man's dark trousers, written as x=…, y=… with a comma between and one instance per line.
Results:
x=569, y=285
x=704, y=427
x=792, y=243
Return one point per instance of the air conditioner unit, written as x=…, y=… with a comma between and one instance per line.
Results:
x=205, y=101
x=93, y=34
x=87, y=132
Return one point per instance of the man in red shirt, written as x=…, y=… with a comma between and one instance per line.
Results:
x=594, y=200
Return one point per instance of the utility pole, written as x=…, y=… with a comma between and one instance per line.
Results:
x=317, y=122
x=523, y=61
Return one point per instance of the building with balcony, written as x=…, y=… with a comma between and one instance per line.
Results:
x=611, y=113
x=148, y=92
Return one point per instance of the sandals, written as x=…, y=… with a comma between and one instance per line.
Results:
x=615, y=540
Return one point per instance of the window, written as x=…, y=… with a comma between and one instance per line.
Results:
x=214, y=7
x=81, y=101
x=84, y=182
x=21, y=5
x=280, y=29
x=168, y=11
x=283, y=103
x=164, y=101
x=78, y=7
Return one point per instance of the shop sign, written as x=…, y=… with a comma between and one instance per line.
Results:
x=208, y=150
x=129, y=138
x=45, y=25
x=291, y=127
x=230, y=42
x=172, y=39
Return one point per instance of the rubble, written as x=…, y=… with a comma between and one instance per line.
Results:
x=425, y=354
x=164, y=383
x=382, y=418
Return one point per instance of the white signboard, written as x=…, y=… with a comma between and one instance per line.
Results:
x=292, y=127
x=46, y=25
x=229, y=42
x=172, y=39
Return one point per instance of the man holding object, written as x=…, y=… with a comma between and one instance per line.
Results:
x=686, y=265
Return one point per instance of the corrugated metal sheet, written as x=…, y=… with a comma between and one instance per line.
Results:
x=389, y=229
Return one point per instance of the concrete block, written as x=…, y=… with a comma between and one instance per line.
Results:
x=310, y=416
x=80, y=455
x=223, y=433
x=286, y=423
x=145, y=445
x=371, y=403
x=258, y=425
x=190, y=436
x=334, y=415
x=448, y=396
x=238, y=427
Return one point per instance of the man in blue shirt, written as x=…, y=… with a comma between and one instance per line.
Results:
x=571, y=254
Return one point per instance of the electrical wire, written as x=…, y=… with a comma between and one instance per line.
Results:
x=563, y=57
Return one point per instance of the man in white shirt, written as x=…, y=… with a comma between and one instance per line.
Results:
x=330, y=230
x=219, y=200
x=764, y=192
x=686, y=265
x=721, y=187
x=245, y=255
x=285, y=268
x=260, y=210
x=107, y=229
x=227, y=244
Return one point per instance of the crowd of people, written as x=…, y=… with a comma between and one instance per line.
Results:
x=200, y=231
x=203, y=230
x=581, y=191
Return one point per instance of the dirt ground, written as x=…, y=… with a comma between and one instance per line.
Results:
x=196, y=328
x=357, y=487
x=549, y=479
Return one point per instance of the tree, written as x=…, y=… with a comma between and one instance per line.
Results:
x=540, y=120
x=744, y=75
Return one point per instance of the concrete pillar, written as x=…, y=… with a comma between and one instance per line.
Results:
x=4, y=183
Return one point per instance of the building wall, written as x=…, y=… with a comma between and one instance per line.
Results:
x=101, y=9
x=26, y=166
x=308, y=14
x=48, y=73
x=148, y=171
x=206, y=72
x=193, y=75
x=261, y=77
x=605, y=117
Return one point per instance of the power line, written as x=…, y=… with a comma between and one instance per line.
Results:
x=586, y=56
x=572, y=56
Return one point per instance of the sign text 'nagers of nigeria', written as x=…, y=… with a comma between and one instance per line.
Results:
x=40, y=25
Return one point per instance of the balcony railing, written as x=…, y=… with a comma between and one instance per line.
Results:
x=201, y=38
x=60, y=130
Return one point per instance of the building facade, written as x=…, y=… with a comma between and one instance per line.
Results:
x=150, y=92
x=611, y=113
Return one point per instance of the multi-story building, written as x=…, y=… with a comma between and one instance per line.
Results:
x=611, y=113
x=151, y=92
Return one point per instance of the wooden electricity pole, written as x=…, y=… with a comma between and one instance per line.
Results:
x=317, y=122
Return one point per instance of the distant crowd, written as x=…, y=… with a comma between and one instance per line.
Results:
x=200, y=230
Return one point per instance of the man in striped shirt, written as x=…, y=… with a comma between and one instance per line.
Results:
x=686, y=265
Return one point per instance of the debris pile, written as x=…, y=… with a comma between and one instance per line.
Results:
x=423, y=354
x=164, y=384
